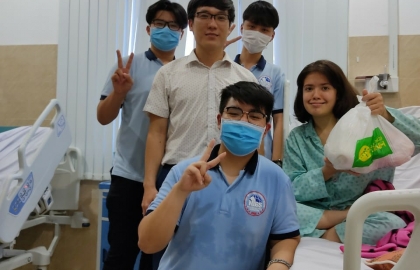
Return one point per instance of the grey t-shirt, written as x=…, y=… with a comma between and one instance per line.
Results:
x=128, y=161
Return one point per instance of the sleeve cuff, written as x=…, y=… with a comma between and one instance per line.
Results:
x=284, y=236
x=277, y=111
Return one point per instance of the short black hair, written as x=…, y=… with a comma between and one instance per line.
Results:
x=219, y=4
x=250, y=93
x=178, y=11
x=346, y=94
x=262, y=13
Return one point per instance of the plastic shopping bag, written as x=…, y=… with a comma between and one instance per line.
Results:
x=362, y=142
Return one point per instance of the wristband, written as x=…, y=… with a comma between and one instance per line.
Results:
x=279, y=162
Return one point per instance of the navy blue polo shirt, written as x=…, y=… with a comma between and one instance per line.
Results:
x=227, y=227
x=272, y=78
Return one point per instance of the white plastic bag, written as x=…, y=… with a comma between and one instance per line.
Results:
x=362, y=142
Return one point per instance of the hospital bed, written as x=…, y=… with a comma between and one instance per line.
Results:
x=320, y=254
x=37, y=168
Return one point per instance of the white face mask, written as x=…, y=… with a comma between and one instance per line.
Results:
x=254, y=41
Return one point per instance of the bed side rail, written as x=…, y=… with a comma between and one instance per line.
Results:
x=377, y=201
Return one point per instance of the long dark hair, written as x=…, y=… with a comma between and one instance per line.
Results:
x=346, y=94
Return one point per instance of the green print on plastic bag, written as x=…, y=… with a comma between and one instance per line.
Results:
x=371, y=148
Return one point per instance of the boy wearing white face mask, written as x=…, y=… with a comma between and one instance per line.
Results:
x=126, y=90
x=260, y=19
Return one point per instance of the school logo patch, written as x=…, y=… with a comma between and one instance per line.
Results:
x=265, y=81
x=254, y=203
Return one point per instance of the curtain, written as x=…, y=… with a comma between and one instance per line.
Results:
x=90, y=32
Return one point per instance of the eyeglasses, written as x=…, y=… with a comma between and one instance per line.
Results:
x=161, y=24
x=204, y=15
x=236, y=113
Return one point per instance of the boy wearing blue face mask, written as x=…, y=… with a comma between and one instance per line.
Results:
x=219, y=210
x=127, y=88
x=260, y=19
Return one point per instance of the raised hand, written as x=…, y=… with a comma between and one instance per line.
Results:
x=228, y=42
x=195, y=176
x=375, y=102
x=121, y=79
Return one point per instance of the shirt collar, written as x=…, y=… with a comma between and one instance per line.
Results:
x=260, y=64
x=250, y=167
x=192, y=57
x=309, y=129
x=151, y=56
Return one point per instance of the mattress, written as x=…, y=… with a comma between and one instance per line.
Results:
x=320, y=254
x=9, y=145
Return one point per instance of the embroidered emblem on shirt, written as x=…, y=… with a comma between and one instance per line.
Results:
x=265, y=81
x=254, y=203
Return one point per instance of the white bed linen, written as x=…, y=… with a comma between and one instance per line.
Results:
x=320, y=254
x=9, y=145
x=407, y=176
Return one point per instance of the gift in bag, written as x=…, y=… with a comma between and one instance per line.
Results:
x=362, y=142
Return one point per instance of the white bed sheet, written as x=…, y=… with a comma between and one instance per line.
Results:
x=407, y=176
x=320, y=254
x=9, y=145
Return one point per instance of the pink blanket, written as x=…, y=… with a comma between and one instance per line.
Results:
x=395, y=239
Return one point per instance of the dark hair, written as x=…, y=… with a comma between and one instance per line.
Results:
x=219, y=4
x=249, y=93
x=178, y=11
x=346, y=94
x=262, y=13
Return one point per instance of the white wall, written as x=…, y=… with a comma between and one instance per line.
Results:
x=370, y=17
x=409, y=11
x=25, y=22
x=36, y=21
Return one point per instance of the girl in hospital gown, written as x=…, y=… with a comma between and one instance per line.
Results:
x=324, y=194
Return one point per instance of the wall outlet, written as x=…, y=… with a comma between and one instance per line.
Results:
x=392, y=85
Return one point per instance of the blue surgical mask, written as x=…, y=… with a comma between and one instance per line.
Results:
x=164, y=38
x=241, y=138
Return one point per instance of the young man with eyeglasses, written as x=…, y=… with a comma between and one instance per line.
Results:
x=183, y=101
x=260, y=19
x=218, y=211
x=127, y=88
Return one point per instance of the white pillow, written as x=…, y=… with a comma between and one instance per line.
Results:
x=412, y=110
x=407, y=176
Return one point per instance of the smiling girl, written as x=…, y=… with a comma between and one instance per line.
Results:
x=325, y=194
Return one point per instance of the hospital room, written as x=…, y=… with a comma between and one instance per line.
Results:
x=60, y=142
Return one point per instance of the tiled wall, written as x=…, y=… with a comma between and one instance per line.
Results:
x=373, y=55
x=27, y=82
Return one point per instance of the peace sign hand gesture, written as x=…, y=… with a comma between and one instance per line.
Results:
x=195, y=176
x=121, y=79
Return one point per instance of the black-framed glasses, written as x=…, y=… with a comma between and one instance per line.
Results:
x=161, y=24
x=204, y=15
x=236, y=113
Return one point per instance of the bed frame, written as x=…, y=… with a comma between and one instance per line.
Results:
x=53, y=162
x=373, y=202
